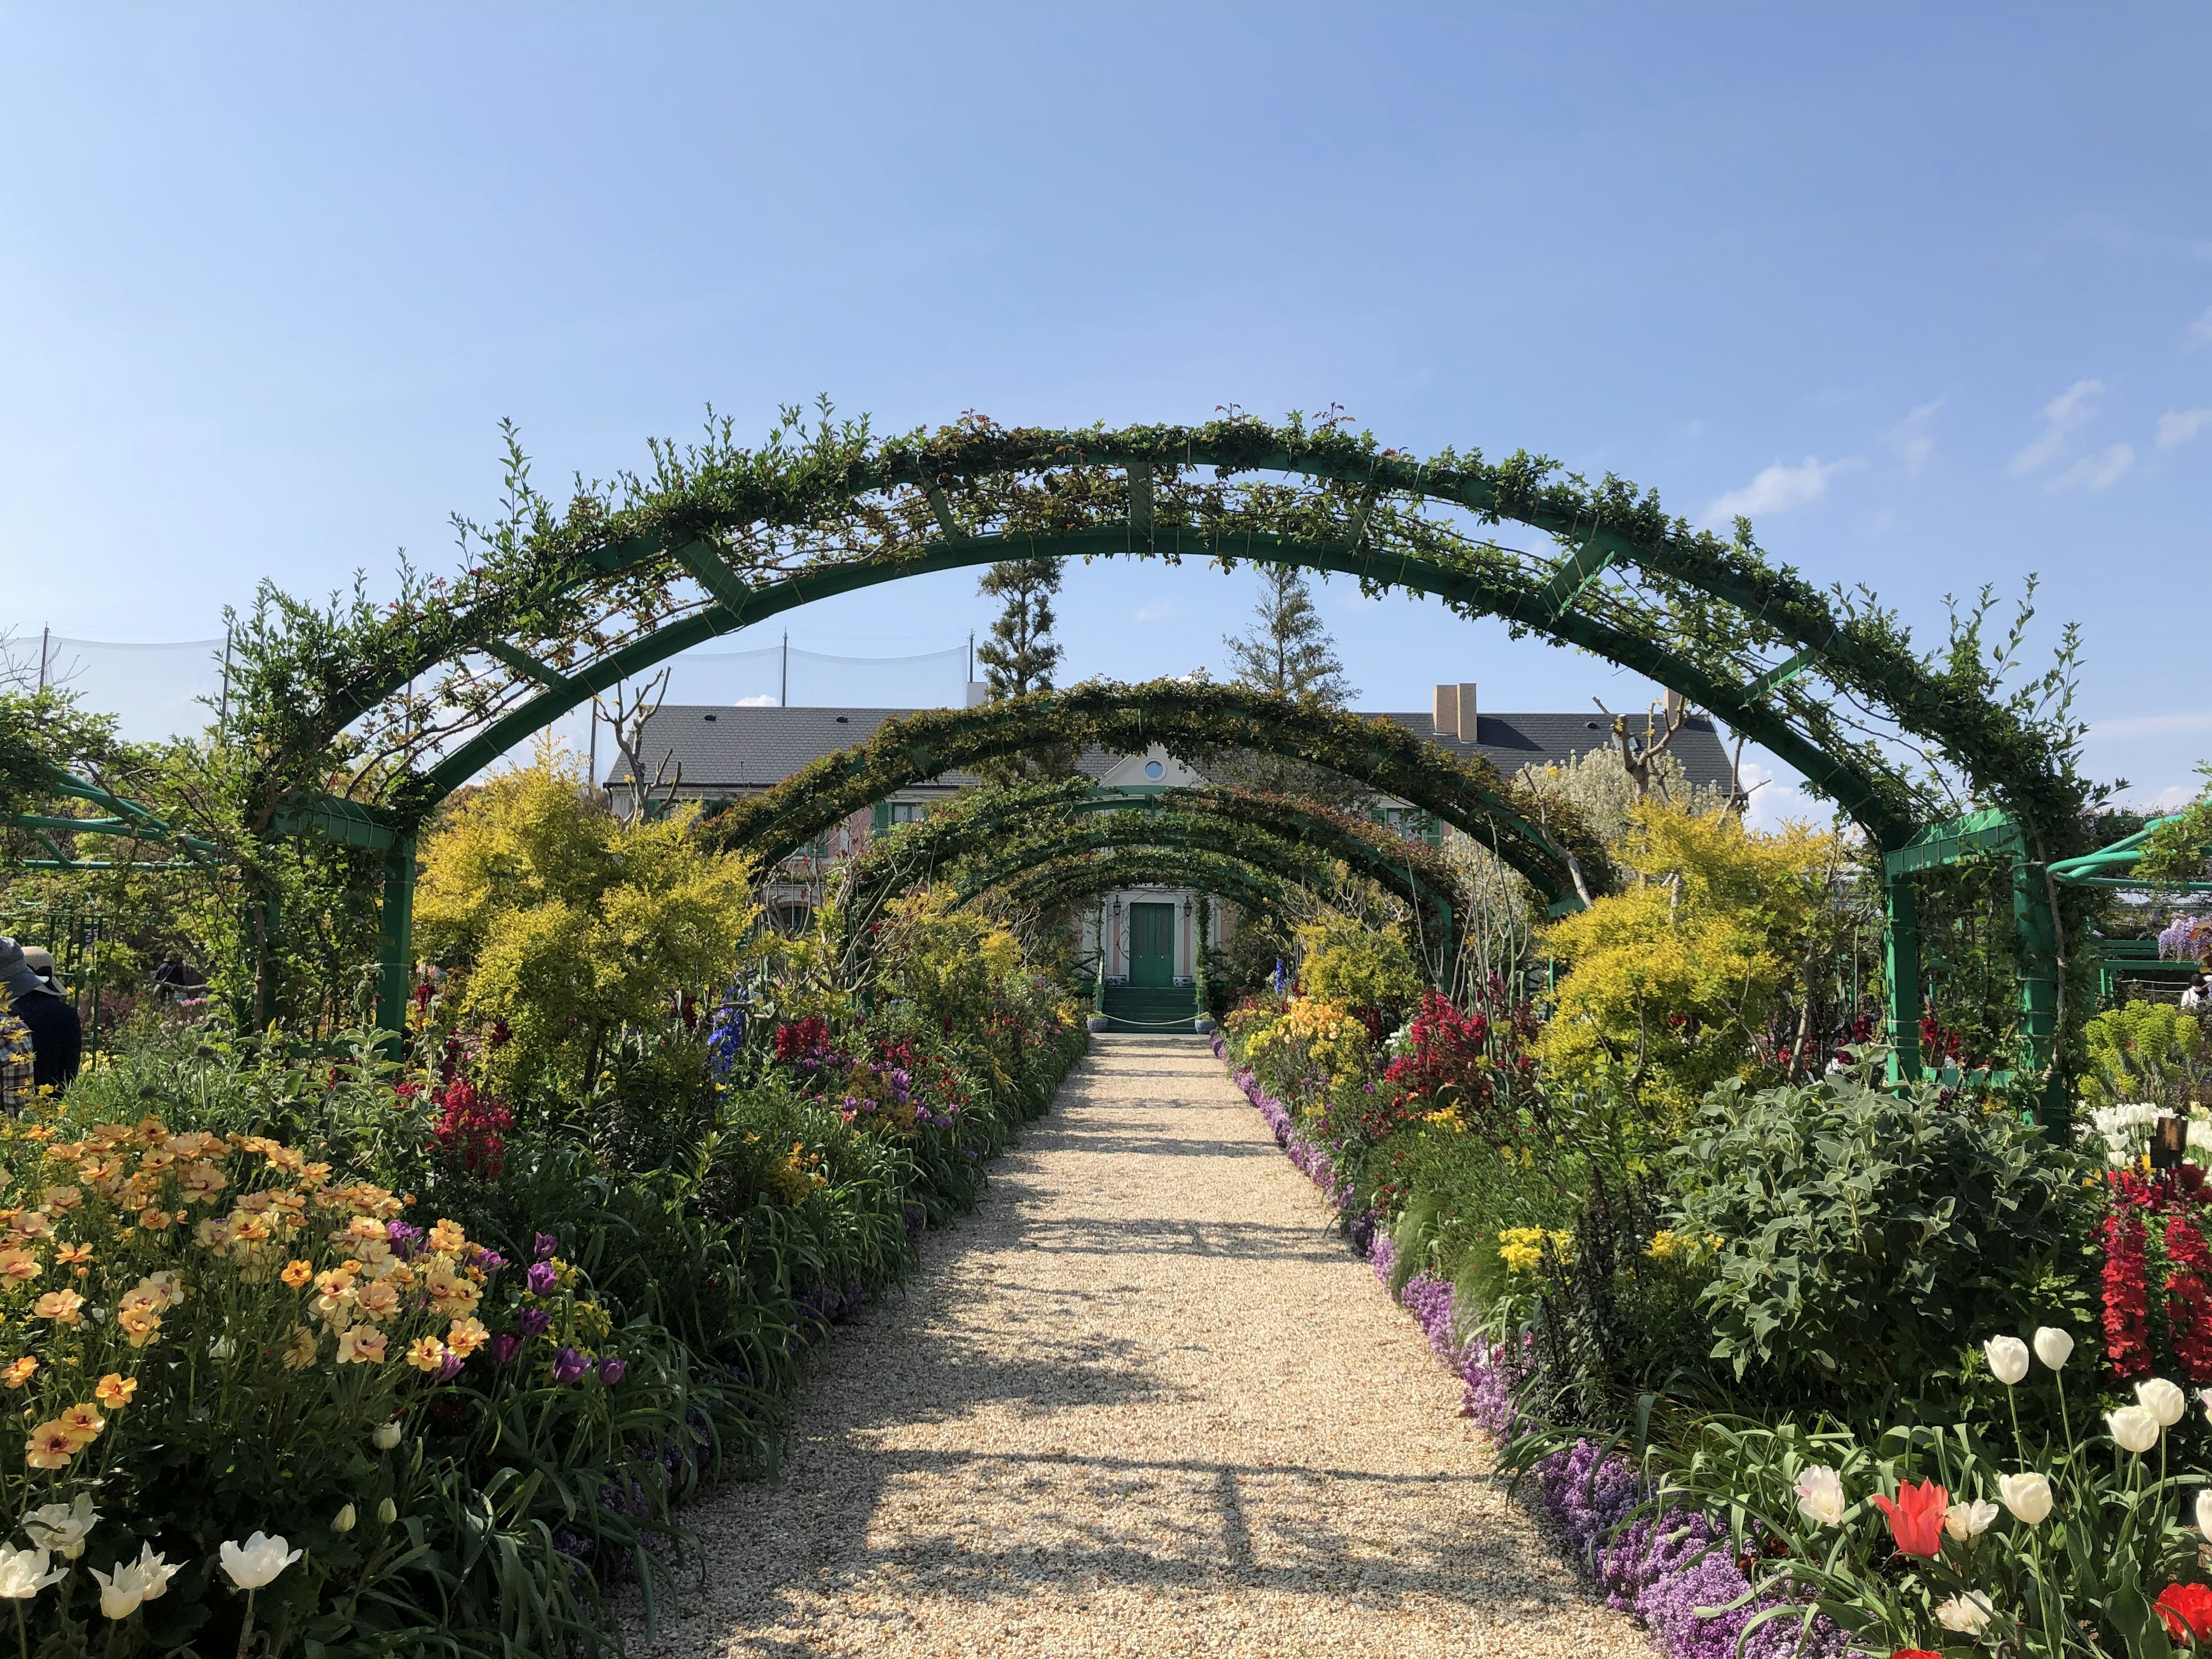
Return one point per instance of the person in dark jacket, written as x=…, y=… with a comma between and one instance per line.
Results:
x=56, y=1038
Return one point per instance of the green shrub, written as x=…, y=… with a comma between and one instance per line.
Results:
x=1864, y=1238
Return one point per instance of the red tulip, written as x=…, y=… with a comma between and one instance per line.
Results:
x=1916, y=1519
x=2187, y=1610
x=1915, y=1653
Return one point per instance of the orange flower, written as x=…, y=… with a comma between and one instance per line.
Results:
x=19, y=1372
x=1915, y=1517
x=60, y=1306
x=426, y=1353
x=50, y=1447
x=466, y=1336
x=71, y=1256
x=19, y=1266
x=154, y=1221
x=31, y=1224
x=62, y=1198
x=378, y=1301
x=447, y=1238
x=83, y=1423
x=140, y=1324
x=362, y=1226
x=297, y=1273
x=114, y=1391
x=361, y=1345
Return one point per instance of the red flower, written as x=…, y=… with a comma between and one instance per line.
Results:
x=1916, y=1519
x=1915, y=1653
x=2127, y=1295
x=2187, y=1610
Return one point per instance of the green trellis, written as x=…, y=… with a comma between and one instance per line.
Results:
x=401, y=704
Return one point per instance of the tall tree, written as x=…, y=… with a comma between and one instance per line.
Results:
x=1020, y=657
x=1287, y=650
x=1021, y=654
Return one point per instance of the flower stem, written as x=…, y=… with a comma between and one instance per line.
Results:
x=245, y=1630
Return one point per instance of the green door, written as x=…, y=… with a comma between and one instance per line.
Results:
x=1151, y=944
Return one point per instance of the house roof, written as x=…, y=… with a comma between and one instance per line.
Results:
x=741, y=748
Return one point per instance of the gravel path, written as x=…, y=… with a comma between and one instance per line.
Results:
x=1142, y=1403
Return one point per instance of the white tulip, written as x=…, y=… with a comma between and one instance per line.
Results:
x=2204, y=1399
x=23, y=1573
x=1969, y=1520
x=254, y=1563
x=2204, y=1513
x=2135, y=1429
x=2027, y=1496
x=1968, y=1614
x=2007, y=1359
x=2053, y=1346
x=63, y=1527
x=146, y=1579
x=343, y=1521
x=386, y=1436
x=2162, y=1400
x=387, y=1511
x=1821, y=1495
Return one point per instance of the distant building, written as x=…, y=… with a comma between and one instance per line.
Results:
x=719, y=755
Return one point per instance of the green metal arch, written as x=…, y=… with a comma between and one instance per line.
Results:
x=1068, y=880
x=1182, y=718
x=1294, y=865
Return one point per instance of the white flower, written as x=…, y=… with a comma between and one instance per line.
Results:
x=254, y=1563
x=2007, y=1359
x=1968, y=1614
x=344, y=1520
x=387, y=1511
x=2135, y=1429
x=2053, y=1346
x=1967, y=1520
x=386, y=1436
x=2204, y=1511
x=220, y=1348
x=23, y=1573
x=2162, y=1400
x=2027, y=1496
x=146, y=1579
x=63, y=1527
x=2204, y=1399
x=1821, y=1495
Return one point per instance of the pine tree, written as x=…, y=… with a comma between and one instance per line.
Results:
x=1021, y=654
x=1287, y=651
x=1020, y=657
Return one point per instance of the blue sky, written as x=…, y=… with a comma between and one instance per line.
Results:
x=1927, y=291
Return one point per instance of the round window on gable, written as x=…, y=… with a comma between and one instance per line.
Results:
x=1154, y=769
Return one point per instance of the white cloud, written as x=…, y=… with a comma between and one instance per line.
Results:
x=2154, y=725
x=1159, y=610
x=1775, y=800
x=1910, y=440
x=763, y=701
x=2097, y=472
x=2072, y=409
x=1778, y=489
x=2200, y=331
x=2177, y=426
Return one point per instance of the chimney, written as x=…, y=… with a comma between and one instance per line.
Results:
x=979, y=693
x=1454, y=715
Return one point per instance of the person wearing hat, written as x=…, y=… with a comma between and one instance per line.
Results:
x=56, y=1038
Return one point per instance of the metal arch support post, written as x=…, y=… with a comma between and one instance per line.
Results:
x=1901, y=963
x=2036, y=929
x=395, y=939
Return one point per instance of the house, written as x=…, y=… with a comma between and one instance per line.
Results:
x=721, y=754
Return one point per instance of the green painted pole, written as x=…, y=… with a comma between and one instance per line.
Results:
x=395, y=939
x=2037, y=931
x=1901, y=960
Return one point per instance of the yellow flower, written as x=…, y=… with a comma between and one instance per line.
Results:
x=362, y=1226
x=361, y=1345
x=301, y=1352
x=63, y=1198
x=60, y=1306
x=154, y=1221
x=466, y=1336
x=114, y=1391
x=297, y=1273
x=377, y=1300
x=336, y=1285
x=447, y=1238
x=19, y=1372
x=83, y=1424
x=50, y=1447
x=451, y=1295
x=426, y=1353
x=212, y=1234
x=247, y=1228
x=139, y=1326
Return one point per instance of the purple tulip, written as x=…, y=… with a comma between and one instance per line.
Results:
x=450, y=1366
x=533, y=1322
x=611, y=1370
x=547, y=1243
x=504, y=1348
x=490, y=1262
x=542, y=1278
x=569, y=1366
x=403, y=1238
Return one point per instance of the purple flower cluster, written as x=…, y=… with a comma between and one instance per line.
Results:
x=1661, y=1569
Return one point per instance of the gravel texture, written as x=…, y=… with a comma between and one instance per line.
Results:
x=1143, y=1403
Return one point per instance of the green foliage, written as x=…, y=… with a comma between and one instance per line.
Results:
x=1366, y=968
x=1866, y=1236
x=2146, y=1052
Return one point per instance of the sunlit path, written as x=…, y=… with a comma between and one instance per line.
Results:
x=1143, y=1403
